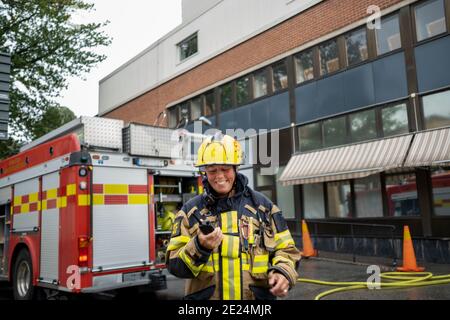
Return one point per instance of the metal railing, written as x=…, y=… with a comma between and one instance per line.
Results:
x=356, y=230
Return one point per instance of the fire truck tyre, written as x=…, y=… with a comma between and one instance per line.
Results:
x=22, y=278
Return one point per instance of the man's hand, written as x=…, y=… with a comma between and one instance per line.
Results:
x=212, y=240
x=279, y=284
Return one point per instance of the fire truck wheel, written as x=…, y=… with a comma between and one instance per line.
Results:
x=22, y=278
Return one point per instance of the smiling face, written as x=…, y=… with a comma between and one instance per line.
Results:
x=221, y=178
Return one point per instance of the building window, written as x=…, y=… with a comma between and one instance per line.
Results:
x=334, y=132
x=430, y=19
x=310, y=137
x=363, y=125
x=329, y=57
x=172, y=117
x=313, y=201
x=188, y=47
x=388, y=36
x=263, y=180
x=436, y=109
x=304, y=66
x=440, y=179
x=285, y=196
x=183, y=115
x=356, y=46
x=210, y=104
x=395, y=120
x=196, y=108
x=260, y=83
x=243, y=90
x=280, y=78
x=339, y=199
x=368, y=200
x=226, y=94
x=401, y=191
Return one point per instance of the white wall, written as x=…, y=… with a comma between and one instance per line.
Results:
x=193, y=8
x=220, y=28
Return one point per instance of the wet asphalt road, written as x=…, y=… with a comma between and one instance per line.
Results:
x=312, y=269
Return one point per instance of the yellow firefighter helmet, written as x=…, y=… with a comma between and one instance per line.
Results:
x=219, y=149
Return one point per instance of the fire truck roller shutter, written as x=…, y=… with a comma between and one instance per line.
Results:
x=120, y=217
x=26, y=205
x=50, y=228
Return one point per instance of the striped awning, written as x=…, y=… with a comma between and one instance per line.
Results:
x=347, y=162
x=429, y=148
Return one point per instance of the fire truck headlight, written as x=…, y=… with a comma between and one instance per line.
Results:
x=83, y=185
x=82, y=172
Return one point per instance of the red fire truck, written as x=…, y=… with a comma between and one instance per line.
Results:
x=81, y=209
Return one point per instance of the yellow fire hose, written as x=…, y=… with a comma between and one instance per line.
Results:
x=393, y=280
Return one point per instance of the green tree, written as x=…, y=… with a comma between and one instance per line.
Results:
x=47, y=48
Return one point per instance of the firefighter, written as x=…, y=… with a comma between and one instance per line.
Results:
x=231, y=242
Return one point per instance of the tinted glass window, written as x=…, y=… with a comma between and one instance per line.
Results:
x=310, y=137
x=334, y=132
x=388, y=36
x=329, y=57
x=440, y=179
x=210, y=104
x=304, y=69
x=260, y=84
x=363, y=125
x=226, y=97
x=313, y=200
x=436, y=109
x=401, y=191
x=280, y=78
x=188, y=47
x=339, y=199
x=356, y=44
x=368, y=198
x=430, y=19
x=395, y=120
x=243, y=90
x=196, y=108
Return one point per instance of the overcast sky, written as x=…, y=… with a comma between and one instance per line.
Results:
x=134, y=25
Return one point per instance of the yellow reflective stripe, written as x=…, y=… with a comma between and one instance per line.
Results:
x=230, y=246
x=52, y=194
x=62, y=202
x=283, y=240
x=25, y=208
x=115, y=189
x=44, y=204
x=187, y=260
x=83, y=200
x=229, y=222
x=260, y=263
x=137, y=199
x=17, y=200
x=98, y=199
x=177, y=242
x=282, y=259
x=245, y=263
x=71, y=189
x=33, y=197
x=231, y=278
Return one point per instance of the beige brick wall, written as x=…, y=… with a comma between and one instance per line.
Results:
x=311, y=24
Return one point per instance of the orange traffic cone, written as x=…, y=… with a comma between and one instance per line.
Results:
x=409, y=257
x=308, y=249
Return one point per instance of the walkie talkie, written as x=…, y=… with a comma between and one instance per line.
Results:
x=205, y=225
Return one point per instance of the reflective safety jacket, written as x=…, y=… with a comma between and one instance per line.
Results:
x=256, y=242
